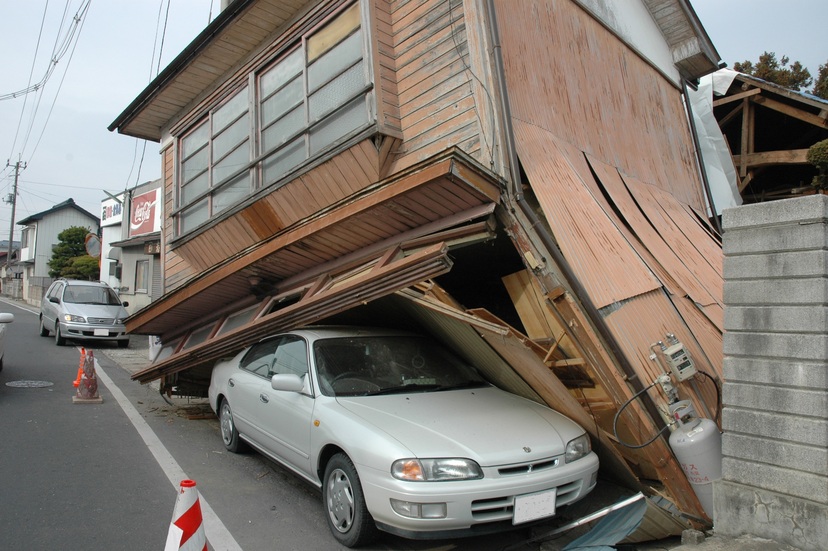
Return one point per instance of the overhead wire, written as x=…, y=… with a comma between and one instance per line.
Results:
x=151, y=76
x=29, y=82
x=64, y=43
x=60, y=86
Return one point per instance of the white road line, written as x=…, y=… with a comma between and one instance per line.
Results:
x=217, y=534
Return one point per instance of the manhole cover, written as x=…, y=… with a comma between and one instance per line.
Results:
x=29, y=384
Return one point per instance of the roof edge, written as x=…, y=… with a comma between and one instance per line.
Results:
x=198, y=44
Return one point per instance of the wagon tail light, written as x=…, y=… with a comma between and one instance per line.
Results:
x=433, y=470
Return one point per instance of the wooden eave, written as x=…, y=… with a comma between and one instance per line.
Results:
x=691, y=47
x=448, y=190
x=385, y=275
x=230, y=38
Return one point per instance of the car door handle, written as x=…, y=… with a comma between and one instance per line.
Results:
x=231, y=382
x=264, y=398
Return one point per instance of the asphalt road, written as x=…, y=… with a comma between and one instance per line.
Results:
x=105, y=476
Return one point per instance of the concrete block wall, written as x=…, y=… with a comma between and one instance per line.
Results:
x=775, y=395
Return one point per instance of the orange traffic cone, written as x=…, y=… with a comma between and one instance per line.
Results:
x=187, y=529
x=87, y=387
x=80, y=367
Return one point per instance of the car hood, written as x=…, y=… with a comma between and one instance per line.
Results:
x=488, y=425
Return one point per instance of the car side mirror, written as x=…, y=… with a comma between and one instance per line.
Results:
x=125, y=303
x=287, y=382
x=6, y=317
x=56, y=300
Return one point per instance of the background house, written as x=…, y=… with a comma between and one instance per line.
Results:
x=39, y=235
x=517, y=179
x=130, y=244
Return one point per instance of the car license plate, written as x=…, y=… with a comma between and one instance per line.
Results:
x=534, y=506
x=101, y=332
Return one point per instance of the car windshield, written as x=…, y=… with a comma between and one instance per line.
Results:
x=368, y=366
x=86, y=294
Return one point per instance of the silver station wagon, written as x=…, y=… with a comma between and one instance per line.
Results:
x=399, y=434
x=83, y=310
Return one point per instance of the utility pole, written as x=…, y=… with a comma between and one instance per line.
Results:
x=18, y=166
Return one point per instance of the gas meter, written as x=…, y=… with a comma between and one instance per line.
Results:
x=678, y=359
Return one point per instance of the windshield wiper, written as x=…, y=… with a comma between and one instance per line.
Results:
x=466, y=384
x=403, y=389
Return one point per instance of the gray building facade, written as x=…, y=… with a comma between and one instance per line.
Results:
x=775, y=395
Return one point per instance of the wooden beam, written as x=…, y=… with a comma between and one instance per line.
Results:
x=736, y=97
x=570, y=361
x=746, y=145
x=745, y=182
x=767, y=158
x=792, y=111
x=730, y=116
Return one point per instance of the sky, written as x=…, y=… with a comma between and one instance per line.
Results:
x=107, y=58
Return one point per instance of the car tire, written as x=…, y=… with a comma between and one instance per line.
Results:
x=59, y=340
x=347, y=515
x=229, y=432
x=43, y=331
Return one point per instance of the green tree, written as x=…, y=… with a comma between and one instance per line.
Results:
x=69, y=258
x=794, y=76
x=821, y=83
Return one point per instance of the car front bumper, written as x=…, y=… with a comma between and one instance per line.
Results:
x=93, y=332
x=473, y=506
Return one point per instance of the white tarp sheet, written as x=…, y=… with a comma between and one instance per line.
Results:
x=718, y=163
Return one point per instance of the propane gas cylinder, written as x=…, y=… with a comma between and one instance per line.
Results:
x=697, y=444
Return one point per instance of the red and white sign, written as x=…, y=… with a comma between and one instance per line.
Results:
x=146, y=213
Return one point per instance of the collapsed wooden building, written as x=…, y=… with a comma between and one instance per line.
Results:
x=517, y=179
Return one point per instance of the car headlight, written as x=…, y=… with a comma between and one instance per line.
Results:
x=577, y=448
x=419, y=470
x=74, y=319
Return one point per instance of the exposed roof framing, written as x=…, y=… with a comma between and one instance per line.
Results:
x=769, y=130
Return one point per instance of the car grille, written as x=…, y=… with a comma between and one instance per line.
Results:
x=100, y=321
x=502, y=508
x=528, y=467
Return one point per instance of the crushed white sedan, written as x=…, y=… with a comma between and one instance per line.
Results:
x=399, y=434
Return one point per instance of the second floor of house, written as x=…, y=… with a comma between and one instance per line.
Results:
x=284, y=115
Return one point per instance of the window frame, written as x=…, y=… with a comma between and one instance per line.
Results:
x=359, y=104
x=142, y=266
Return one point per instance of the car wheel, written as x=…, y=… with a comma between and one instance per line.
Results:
x=59, y=340
x=229, y=433
x=43, y=331
x=348, y=517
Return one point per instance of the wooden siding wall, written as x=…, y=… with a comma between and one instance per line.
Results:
x=435, y=88
x=426, y=96
x=388, y=108
x=569, y=75
x=349, y=172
